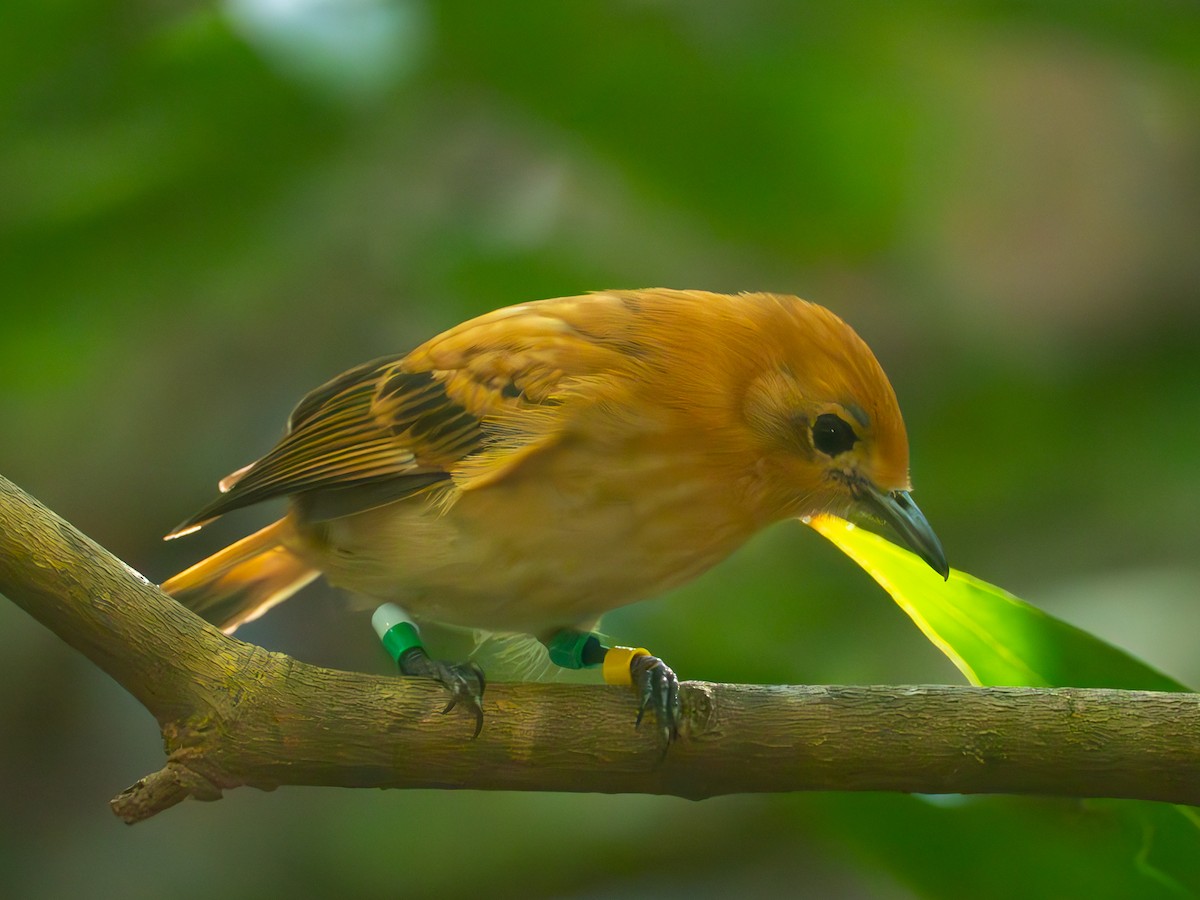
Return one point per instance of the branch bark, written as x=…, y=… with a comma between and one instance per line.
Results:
x=235, y=714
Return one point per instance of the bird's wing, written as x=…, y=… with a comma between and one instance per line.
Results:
x=456, y=413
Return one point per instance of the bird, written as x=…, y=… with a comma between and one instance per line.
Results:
x=530, y=469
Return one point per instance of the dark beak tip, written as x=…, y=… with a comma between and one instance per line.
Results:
x=935, y=556
x=898, y=510
x=936, y=560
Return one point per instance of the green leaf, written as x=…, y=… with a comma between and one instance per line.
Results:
x=993, y=637
x=1147, y=849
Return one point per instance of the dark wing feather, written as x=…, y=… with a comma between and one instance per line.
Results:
x=370, y=436
x=316, y=399
x=464, y=408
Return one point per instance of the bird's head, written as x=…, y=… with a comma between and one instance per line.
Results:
x=829, y=431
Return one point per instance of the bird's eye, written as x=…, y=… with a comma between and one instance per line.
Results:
x=832, y=434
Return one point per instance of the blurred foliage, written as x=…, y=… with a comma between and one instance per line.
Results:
x=206, y=211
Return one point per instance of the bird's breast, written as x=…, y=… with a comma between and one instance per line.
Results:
x=561, y=540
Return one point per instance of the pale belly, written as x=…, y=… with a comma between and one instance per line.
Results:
x=545, y=548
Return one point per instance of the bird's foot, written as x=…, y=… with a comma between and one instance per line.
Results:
x=655, y=684
x=657, y=688
x=402, y=640
x=464, y=682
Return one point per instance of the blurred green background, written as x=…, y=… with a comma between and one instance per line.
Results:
x=207, y=211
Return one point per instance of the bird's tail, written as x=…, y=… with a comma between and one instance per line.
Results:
x=244, y=580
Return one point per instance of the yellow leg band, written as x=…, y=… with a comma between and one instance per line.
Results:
x=617, y=662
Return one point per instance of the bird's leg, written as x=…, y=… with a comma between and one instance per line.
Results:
x=402, y=640
x=653, y=680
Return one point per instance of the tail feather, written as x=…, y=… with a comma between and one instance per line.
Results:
x=241, y=582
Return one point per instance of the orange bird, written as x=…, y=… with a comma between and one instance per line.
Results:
x=533, y=468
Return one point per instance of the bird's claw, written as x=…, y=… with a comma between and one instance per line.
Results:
x=657, y=687
x=463, y=681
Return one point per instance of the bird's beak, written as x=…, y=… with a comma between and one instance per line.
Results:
x=898, y=510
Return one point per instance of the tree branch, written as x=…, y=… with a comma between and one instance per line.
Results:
x=235, y=714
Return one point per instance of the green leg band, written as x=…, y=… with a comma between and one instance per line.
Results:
x=575, y=649
x=397, y=632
